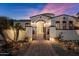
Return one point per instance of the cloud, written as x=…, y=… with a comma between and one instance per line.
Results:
x=56, y=8
x=28, y=12
x=32, y=11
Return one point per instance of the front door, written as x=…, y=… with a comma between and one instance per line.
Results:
x=40, y=30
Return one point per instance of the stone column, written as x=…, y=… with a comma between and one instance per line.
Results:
x=52, y=32
x=29, y=32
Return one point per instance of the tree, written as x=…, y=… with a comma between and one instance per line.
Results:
x=17, y=28
x=4, y=24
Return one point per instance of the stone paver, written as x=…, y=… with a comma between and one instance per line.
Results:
x=40, y=48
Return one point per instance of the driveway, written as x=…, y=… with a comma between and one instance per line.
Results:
x=40, y=48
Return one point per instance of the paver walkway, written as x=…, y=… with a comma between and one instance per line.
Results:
x=40, y=48
x=45, y=48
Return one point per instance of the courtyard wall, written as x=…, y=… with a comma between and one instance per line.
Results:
x=68, y=34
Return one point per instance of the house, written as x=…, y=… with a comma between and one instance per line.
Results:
x=48, y=26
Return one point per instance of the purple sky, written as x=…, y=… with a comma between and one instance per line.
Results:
x=25, y=10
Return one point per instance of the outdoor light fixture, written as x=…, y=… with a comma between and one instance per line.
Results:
x=52, y=39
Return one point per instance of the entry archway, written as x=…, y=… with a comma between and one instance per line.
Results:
x=40, y=29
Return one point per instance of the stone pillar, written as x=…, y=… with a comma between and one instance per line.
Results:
x=67, y=24
x=52, y=32
x=29, y=32
x=47, y=33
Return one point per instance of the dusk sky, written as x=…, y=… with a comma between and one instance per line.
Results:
x=25, y=10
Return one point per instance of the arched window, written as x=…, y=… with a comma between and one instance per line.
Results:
x=27, y=24
x=33, y=32
x=48, y=32
x=71, y=25
x=64, y=25
x=57, y=25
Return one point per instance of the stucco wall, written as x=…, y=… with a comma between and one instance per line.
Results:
x=22, y=34
x=29, y=33
x=68, y=34
x=10, y=34
x=52, y=33
x=60, y=19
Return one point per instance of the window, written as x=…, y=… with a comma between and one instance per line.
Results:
x=65, y=18
x=48, y=31
x=71, y=25
x=33, y=32
x=18, y=24
x=64, y=25
x=27, y=24
x=57, y=25
x=78, y=17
